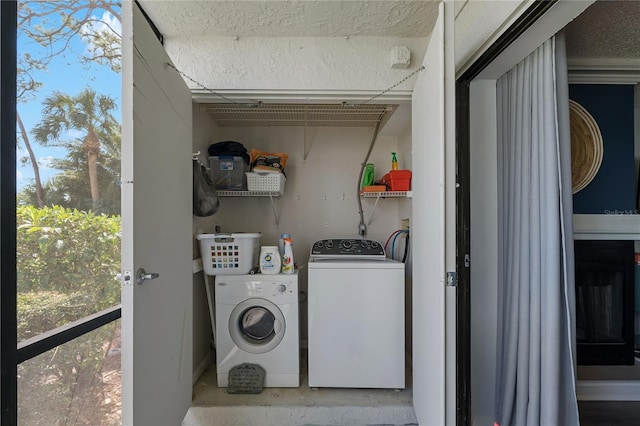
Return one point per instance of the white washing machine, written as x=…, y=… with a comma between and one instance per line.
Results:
x=356, y=316
x=257, y=322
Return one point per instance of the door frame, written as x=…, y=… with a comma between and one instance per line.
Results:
x=538, y=23
x=8, y=302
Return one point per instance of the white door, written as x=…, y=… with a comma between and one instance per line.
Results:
x=156, y=230
x=433, y=134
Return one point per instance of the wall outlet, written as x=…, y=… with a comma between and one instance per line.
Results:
x=405, y=224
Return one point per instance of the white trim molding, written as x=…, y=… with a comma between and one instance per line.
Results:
x=603, y=71
x=608, y=390
x=615, y=225
x=201, y=95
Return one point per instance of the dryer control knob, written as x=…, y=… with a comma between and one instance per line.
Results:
x=282, y=288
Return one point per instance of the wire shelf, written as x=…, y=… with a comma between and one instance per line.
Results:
x=387, y=194
x=341, y=115
x=248, y=193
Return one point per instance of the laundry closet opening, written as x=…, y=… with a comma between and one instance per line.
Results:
x=326, y=144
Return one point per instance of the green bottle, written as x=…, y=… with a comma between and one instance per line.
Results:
x=367, y=177
x=394, y=161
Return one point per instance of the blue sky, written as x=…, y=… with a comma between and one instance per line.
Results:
x=65, y=74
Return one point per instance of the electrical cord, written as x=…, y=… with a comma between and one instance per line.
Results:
x=393, y=242
x=406, y=249
x=389, y=239
x=394, y=235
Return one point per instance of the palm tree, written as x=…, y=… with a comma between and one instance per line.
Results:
x=88, y=113
x=32, y=159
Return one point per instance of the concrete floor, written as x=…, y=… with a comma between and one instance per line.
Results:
x=299, y=406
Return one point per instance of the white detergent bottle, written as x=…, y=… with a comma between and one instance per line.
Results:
x=287, y=258
x=270, y=261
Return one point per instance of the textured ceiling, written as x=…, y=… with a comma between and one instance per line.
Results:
x=297, y=18
x=608, y=29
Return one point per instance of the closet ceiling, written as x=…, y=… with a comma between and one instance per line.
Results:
x=175, y=18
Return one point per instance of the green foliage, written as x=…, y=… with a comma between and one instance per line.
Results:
x=46, y=310
x=66, y=263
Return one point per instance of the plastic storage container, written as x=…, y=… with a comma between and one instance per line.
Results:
x=266, y=182
x=229, y=254
x=227, y=172
x=398, y=180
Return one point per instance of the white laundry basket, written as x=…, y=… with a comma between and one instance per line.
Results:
x=229, y=254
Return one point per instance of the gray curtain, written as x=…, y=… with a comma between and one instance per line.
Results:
x=536, y=307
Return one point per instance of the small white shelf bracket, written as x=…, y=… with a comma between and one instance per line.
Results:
x=276, y=216
x=375, y=205
x=385, y=194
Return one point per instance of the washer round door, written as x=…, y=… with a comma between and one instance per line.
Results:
x=256, y=326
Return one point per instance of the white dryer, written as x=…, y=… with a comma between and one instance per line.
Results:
x=356, y=316
x=257, y=322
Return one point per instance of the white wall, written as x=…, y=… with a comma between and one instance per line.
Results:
x=294, y=63
x=320, y=193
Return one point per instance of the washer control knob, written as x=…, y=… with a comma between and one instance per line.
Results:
x=282, y=288
x=346, y=244
x=330, y=244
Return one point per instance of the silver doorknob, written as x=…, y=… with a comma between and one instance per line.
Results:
x=142, y=275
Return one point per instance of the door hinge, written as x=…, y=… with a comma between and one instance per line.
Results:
x=467, y=260
x=452, y=279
